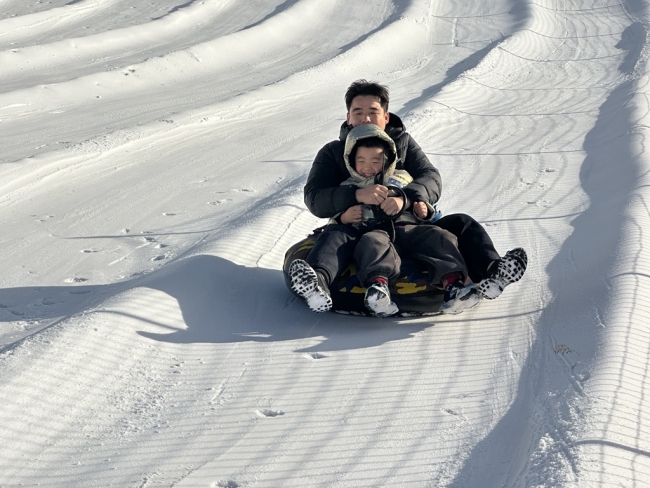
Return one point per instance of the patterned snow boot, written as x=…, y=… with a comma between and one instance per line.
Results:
x=506, y=270
x=459, y=297
x=378, y=301
x=310, y=285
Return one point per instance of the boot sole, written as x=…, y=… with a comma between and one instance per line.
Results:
x=511, y=269
x=304, y=282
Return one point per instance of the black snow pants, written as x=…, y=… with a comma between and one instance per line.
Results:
x=456, y=243
x=474, y=243
x=372, y=252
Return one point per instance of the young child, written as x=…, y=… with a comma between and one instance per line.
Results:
x=362, y=234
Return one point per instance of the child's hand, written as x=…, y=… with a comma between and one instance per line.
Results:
x=372, y=195
x=420, y=209
x=392, y=205
x=352, y=215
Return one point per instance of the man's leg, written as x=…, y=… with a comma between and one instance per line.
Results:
x=487, y=269
x=474, y=243
x=439, y=249
x=434, y=246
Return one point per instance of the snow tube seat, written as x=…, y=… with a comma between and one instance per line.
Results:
x=411, y=292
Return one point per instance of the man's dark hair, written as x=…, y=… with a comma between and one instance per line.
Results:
x=368, y=142
x=364, y=87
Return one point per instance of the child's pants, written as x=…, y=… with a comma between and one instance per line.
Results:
x=372, y=252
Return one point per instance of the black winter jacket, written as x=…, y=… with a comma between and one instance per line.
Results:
x=324, y=195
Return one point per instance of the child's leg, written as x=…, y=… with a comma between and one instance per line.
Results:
x=375, y=257
x=377, y=262
x=332, y=253
x=310, y=285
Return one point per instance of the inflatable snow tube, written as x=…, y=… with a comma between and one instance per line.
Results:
x=411, y=292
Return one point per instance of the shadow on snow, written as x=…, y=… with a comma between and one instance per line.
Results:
x=544, y=405
x=220, y=302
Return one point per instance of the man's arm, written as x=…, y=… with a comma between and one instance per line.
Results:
x=324, y=195
x=427, y=184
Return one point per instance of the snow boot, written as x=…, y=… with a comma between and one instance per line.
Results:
x=310, y=285
x=378, y=301
x=459, y=297
x=503, y=272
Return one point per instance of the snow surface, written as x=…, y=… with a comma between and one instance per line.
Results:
x=152, y=159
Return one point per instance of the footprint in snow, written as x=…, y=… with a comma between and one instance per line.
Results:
x=540, y=203
x=563, y=349
x=269, y=413
x=225, y=484
x=315, y=355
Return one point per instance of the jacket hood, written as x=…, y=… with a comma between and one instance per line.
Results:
x=390, y=157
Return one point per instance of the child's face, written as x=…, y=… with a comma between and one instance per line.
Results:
x=369, y=161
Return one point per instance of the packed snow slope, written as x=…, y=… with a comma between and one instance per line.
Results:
x=152, y=159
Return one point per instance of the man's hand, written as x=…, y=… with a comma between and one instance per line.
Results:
x=420, y=209
x=372, y=195
x=392, y=205
x=352, y=215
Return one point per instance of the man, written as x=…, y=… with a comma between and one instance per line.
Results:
x=367, y=103
x=459, y=234
x=371, y=157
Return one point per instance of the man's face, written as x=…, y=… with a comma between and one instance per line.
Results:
x=369, y=161
x=366, y=109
